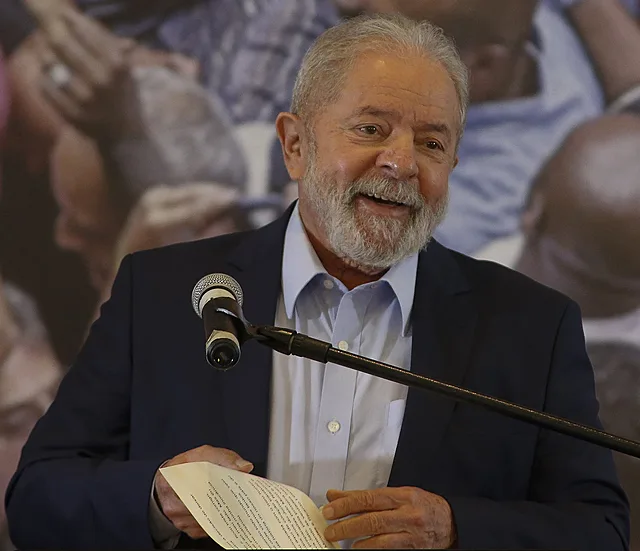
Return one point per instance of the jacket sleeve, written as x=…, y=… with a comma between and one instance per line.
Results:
x=575, y=500
x=75, y=487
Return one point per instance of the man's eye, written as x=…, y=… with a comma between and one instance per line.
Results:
x=432, y=144
x=369, y=129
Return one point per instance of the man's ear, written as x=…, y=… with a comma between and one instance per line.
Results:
x=292, y=135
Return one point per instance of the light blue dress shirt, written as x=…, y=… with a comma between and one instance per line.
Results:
x=333, y=427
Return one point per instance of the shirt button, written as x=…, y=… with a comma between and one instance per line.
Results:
x=333, y=426
x=328, y=284
x=343, y=345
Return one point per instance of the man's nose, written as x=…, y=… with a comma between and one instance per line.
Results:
x=398, y=160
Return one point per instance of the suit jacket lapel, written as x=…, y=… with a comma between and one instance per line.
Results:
x=257, y=266
x=443, y=324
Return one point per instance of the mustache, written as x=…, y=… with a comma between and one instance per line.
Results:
x=393, y=190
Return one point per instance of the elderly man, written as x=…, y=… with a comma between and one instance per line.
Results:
x=371, y=138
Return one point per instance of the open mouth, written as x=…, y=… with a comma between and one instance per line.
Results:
x=382, y=200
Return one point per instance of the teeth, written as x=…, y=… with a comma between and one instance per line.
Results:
x=383, y=198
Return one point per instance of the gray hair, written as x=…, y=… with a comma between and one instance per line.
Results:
x=327, y=63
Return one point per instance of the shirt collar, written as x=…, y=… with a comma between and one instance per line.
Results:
x=300, y=264
x=402, y=279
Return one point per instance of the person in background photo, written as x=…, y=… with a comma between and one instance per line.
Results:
x=581, y=226
x=173, y=172
x=29, y=377
x=27, y=208
x=248, y=53
x=580, y=234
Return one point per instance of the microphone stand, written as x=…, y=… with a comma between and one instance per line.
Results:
x=290, y=342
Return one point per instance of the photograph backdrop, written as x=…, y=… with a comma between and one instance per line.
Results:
x=128, y=124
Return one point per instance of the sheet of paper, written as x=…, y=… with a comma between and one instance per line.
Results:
x=243, y=511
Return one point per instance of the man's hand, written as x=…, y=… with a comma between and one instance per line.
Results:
x=390, y=518
x=169, y=502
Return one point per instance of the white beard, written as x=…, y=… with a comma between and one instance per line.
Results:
x=375, y=243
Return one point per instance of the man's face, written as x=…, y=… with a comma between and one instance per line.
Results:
x=29, y=377
x=376, y=179
x=88, y=223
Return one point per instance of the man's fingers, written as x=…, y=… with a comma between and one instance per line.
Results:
x=218, y=456
x=196, y=533
x=170, y=503
x=368, y=524
x=226, y=458
x=401, y=540
x=182, y=519
x=343, y=504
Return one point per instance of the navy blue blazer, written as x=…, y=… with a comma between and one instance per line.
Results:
x=141, y=392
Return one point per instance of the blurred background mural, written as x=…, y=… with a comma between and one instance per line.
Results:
x=130, y=124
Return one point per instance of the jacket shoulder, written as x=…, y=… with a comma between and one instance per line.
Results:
x=503, y=285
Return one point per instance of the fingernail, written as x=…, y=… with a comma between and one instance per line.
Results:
x=327, y=512
x=243, y=464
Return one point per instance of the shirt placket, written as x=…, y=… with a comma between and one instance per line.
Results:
x=336, y=404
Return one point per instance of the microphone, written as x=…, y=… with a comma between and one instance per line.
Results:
x=217, y=299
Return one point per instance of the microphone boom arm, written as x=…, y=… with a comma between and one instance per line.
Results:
x=290, y=342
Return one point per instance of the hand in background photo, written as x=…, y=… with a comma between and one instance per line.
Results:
x=82, y=60
x=86, y=68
